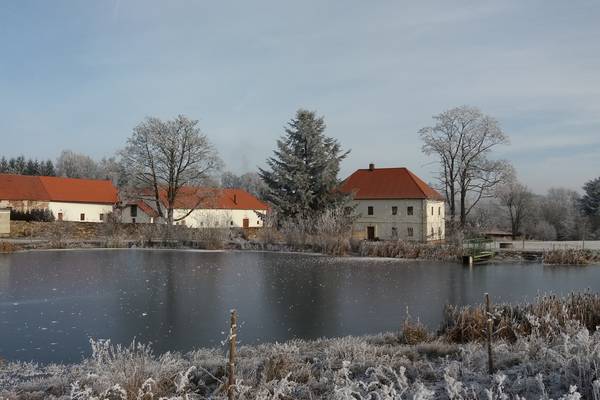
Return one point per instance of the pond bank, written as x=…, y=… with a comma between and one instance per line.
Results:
x=369, y=367
x=404, y=251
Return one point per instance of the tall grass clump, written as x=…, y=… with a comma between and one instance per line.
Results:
x=571, y=257
x=548, y=316
x=328, y=232
x=411, y=250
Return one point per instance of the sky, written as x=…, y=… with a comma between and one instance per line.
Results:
x=80, y=75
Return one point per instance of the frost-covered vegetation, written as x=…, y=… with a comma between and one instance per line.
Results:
x=556, y=357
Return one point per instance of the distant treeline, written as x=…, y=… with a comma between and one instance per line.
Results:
x=21, y=166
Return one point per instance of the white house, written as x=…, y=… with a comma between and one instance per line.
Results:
x=69, y=199
x=203, y=208
x=394, y=204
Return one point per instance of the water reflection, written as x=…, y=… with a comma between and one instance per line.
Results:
x=51, y=303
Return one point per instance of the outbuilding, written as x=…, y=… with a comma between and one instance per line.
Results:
x=69, y=199
x=199, y=207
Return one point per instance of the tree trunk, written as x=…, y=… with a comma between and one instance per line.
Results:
x=463, y=209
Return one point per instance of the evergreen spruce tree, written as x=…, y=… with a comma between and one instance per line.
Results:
x=32, y=167
x=4, y=168
x=47, y=168
x=302, y=180
x=590, y=201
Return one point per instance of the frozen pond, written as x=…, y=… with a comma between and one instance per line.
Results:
x=52, y=302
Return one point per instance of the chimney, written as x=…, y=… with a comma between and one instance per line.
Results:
x=371, y=167
x=234, y=198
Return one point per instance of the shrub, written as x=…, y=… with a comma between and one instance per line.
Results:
x=34, y=215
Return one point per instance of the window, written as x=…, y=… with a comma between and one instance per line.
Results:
x=409, y=210
x=82, y=217
x=231, y=223
x=370, y=210
x=60, y=216
x=439, y=210
x=394, y=210
x=440, y=232
x=133, y=220
x=431, y=210
x=101, y=217
x=394, y=233
x=133, y=211
x=257, y=222
x=410, y=231
x=432, y=232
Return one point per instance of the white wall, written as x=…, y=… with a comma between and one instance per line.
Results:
x=72, y=211
x=220, y=218
x=436, y=222
x=141, y=218
x=4, y=222
x=421, y=221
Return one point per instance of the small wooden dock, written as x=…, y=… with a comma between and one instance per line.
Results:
x=478, y=250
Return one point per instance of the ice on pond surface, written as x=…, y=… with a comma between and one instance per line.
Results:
x=181, y=300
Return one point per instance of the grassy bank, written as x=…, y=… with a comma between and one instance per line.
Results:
x=549, y=352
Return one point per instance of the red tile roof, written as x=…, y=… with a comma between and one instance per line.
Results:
x=50, y=188
x=388, y=183
x=213, y=198
x=21, y=187
x=229, y=199
x=142, y=205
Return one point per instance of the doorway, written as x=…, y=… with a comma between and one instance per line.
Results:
x=246, y=223
x=370, y=233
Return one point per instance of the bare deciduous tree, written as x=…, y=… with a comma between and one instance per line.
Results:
x=76, y=165
x=166, y=156
x=463, y=138
x=250, y=182
x=517, y=199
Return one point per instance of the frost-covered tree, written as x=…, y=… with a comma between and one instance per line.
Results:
x=590, y=201
x=76, y=165
x=559, y=209
x=166, y=156
x=22, y=166
x=463, y=139
x=250, y=182
x=47, y=168
x=302, y=177
x=517, y=200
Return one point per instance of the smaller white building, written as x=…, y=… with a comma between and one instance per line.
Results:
x=203, y=208
x=395, y=204
x=138, y=212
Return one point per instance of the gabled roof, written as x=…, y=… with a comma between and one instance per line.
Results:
x=22, y=187
x=146, y=208
x=388, y=183
x=212, y=198
x=51, y=188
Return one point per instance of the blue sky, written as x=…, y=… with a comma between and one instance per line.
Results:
x=81, y=74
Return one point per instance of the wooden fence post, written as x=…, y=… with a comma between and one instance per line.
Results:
x=490, y=328
x=231, y=365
